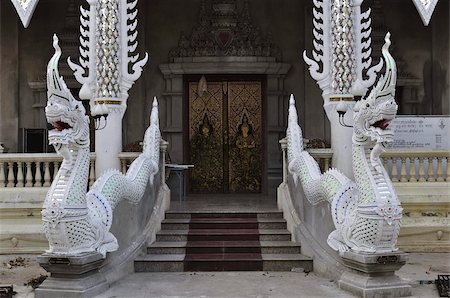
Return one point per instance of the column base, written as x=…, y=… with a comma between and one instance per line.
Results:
x=72, y=276
x=373, y=275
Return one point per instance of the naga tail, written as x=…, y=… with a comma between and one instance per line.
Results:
x=317, y=186
x=113, y=187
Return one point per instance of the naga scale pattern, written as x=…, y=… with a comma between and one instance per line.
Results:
x=77, y=222
x=366, y=213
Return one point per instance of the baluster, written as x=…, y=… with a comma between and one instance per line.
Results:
x=447, y=174
x=10, y=175
x=394, y=176
x=385, y=165
x=326, y=163
x=421, y=170
x=123, y=162
x=430, y=169
x=412, y=170
x=29, y=175
x=92, y=173
x=55, y=169
x=2, y=174
x=47, y=174
x=403, y=176
x=439, y=171
x=38, y=175
x=20, y=181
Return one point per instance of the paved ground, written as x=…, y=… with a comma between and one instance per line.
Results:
x=421, y=268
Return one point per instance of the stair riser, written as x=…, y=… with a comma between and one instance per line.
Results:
x=272, y=225
x=281, y=250
x=224, y=215
x=270, y=215
x=194, y=226
x=264, y=250
x=166, y=250
x=180, y=266
x=269, y=237
x=210, y=250
x=179, y=215
x=171, y=237
x=275, y=237
x=224, y=237
x=261, y=225
x=223, y=266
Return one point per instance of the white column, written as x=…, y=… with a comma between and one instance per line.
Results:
x=109, y=66
x=108, y=141
x=341, y=139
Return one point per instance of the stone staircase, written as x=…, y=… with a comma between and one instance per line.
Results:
x=223, y=241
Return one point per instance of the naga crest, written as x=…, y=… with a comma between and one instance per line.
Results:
x=373, y=114
x=66, y=114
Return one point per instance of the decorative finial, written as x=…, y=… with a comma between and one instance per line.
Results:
x=154, y=113
x=55, y=43
x=292, y=100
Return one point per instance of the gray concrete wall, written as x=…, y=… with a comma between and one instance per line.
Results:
x=9, y=76
x=424, y=49
x=25, y=53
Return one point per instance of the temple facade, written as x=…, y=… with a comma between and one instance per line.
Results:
x=223, y=72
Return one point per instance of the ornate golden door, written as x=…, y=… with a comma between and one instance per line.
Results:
x=225, y=137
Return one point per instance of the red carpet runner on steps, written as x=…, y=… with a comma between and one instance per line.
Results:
x=223, y=242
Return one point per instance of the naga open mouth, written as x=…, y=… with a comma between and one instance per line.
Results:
x=60, y=125
x=382, y=124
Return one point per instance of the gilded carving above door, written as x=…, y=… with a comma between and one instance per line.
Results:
x=225, y=137
x=225, y=28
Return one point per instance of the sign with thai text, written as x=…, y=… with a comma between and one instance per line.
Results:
x=421, y=132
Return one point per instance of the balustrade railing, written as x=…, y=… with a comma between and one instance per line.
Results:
x=322, y=156
x=417, y=166
x=401, y=165
x=33, y=169
x=126, y=158
x=38, y=169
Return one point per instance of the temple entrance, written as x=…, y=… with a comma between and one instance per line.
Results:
x=225, y=135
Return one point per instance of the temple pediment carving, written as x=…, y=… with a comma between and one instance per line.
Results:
x=225, y=29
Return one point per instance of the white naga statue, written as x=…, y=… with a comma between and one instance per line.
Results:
x=77, y=222
x=366, y=212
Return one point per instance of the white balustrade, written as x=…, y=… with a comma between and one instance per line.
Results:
x=126, y=158
x=31, y=169
x=417, y=166
x=38, y=169
x=322, y=156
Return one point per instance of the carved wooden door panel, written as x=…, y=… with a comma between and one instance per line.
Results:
x=245, y=136
x=225, y=137
x=206, y=138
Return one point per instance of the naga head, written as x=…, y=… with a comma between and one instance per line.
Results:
x=373, y=114
x=66, y=114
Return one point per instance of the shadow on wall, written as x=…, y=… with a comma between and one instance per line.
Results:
x=434, y=84
x=316, y=224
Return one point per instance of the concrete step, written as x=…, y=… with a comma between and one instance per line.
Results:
x=202, y=214
x=223, y=241
x=265, y=247
x=224, y=235
x=221, y=262
x=223, y=223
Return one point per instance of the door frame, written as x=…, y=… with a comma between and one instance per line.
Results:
x=262, y=78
